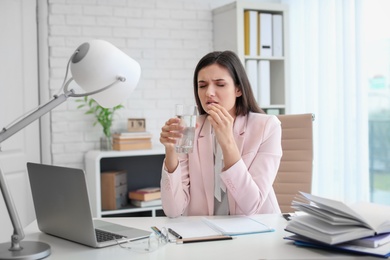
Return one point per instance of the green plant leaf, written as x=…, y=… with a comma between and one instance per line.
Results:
x=103, y=116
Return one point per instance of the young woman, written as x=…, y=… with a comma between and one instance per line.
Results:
x=237, y=148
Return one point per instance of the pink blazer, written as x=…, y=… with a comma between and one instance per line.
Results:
x=189, y=190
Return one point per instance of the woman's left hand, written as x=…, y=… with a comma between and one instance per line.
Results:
x=222, y=123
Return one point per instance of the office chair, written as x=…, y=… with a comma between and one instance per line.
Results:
x=296, y=166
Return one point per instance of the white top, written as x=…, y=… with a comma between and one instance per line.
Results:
x=270, y=245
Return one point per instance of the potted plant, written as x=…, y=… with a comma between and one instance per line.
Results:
x=104, y=116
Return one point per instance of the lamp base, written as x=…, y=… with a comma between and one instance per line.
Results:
x=31, y=250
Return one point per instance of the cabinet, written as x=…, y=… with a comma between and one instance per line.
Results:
x=229, y=34
x=143, y=168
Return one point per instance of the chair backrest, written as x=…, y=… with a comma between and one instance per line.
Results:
x=296, y=166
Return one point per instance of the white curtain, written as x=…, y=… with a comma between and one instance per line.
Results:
x=325, y=79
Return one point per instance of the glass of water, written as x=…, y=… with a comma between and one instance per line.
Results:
x=187, y=115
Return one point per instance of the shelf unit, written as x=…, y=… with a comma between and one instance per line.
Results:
x=143, y=169
x=228, y=34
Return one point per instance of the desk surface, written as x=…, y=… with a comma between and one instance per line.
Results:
x=269, y=245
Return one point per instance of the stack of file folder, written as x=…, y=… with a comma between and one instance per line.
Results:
x=362, y=228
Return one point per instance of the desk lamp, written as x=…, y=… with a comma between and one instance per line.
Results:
x=101, y=70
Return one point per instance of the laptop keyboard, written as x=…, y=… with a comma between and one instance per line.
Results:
x=103, y=236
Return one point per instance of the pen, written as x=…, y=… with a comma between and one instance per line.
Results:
x=202, y=239
x=173, y=232
x=156, y=230
x=159, y=233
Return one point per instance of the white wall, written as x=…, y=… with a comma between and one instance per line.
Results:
x=166, y=37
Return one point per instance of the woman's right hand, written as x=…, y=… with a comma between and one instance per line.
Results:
x=170, y=132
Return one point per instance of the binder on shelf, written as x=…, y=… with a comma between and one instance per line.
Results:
x=264, y=83
x=265, y=32
x=277, y=35
x=251, y=71
x=250, y=32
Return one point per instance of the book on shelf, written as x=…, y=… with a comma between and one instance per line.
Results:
x=145, y=194
x=148, y=203
x=332, y=222
x=126, y=146
x=132, y=136
x=131, y=141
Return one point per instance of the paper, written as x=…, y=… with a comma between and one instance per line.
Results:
x=375, y=215
x=237, y=225
x=190, y=229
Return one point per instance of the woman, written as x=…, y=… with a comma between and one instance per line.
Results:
x=237, y=148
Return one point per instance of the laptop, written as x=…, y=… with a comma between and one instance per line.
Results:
x=62, y=208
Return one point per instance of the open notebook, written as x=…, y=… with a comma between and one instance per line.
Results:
x=214, y=226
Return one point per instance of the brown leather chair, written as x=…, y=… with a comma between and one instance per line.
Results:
x=296, y=165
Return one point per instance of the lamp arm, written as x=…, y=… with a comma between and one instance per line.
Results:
x=5, y=133
x=18, y=234
x=25, y=121
x=118, y=79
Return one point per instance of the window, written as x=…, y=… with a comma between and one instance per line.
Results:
x=376, y=72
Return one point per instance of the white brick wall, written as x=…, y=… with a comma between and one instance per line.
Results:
x=166, y=37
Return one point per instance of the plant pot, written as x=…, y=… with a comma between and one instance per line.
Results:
x=105, y=143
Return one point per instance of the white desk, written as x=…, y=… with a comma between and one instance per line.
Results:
x=269, y=245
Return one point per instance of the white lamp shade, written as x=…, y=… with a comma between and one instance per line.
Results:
x=98, y=64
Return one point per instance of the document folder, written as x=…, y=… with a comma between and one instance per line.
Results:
x=265, y=31
x=277, y=35
x=251, y=31
x=251, y=71
x=264, y=81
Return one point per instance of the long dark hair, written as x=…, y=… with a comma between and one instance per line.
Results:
x=246, y=102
